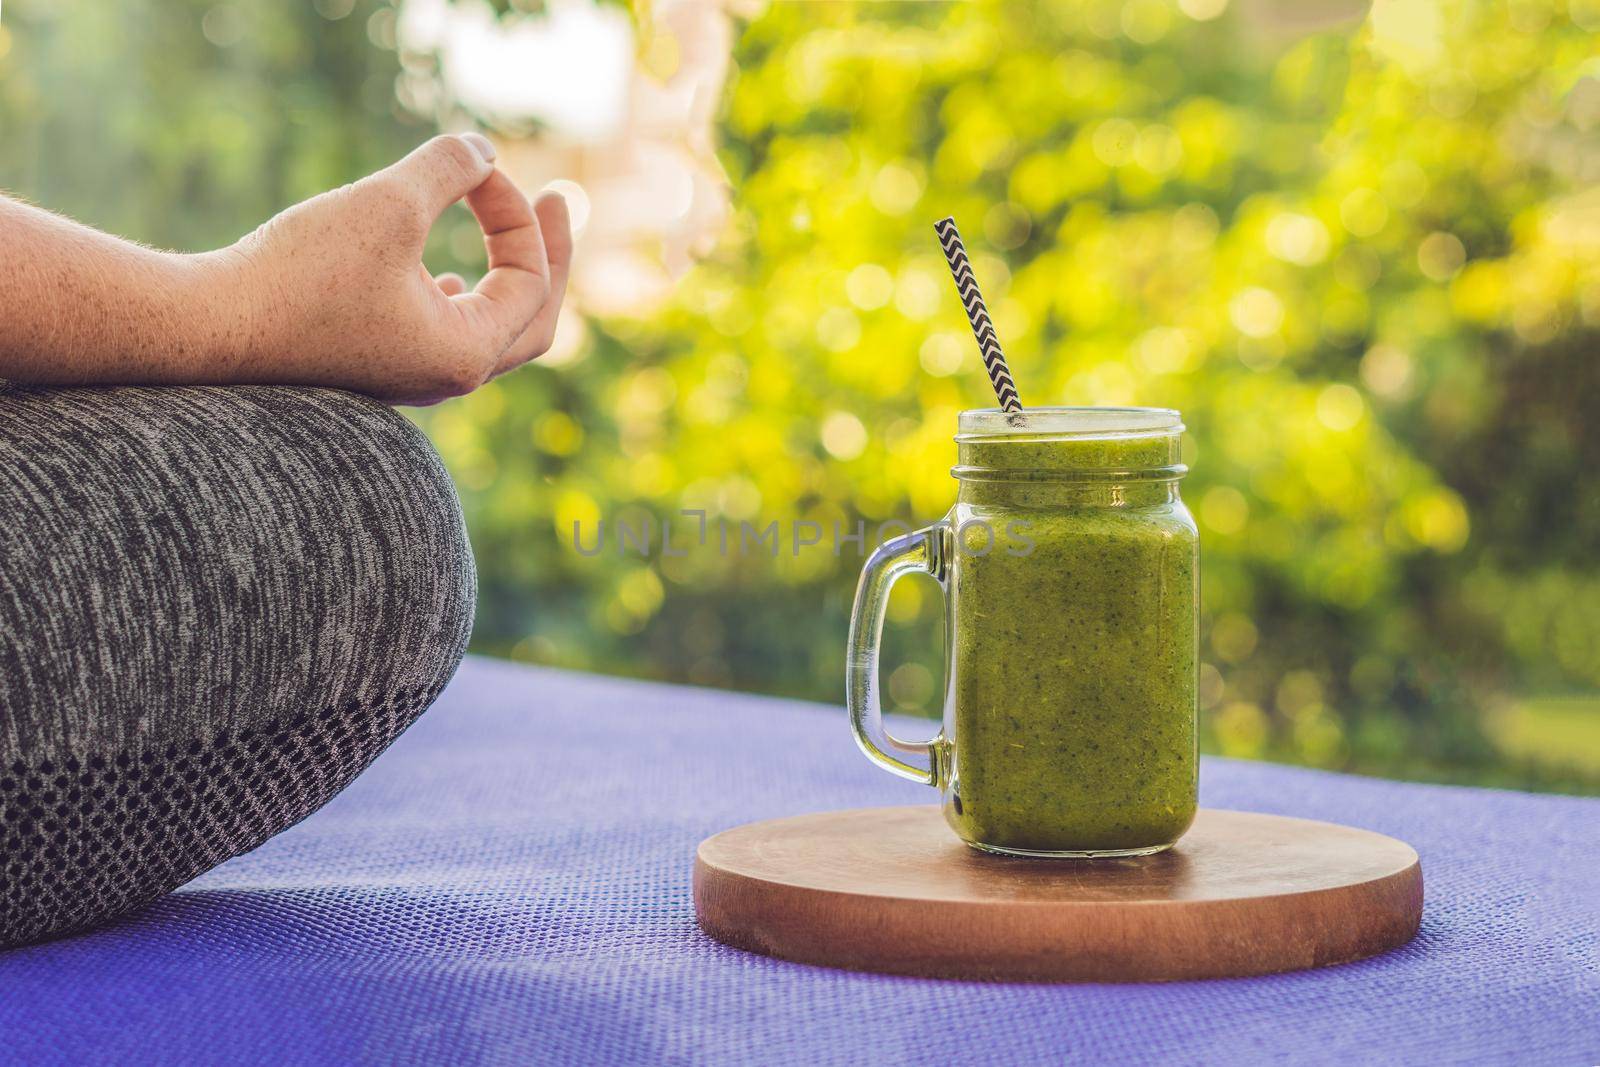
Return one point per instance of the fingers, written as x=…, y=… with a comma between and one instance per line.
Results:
x=505, y=302
x=556, y=227
x=443, y=170
x=450, y=283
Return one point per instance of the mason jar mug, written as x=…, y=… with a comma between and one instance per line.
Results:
x=1070, y=571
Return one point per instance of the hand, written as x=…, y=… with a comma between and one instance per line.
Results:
x=338, y=294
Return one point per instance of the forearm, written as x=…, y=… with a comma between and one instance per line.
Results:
x=80, y=306
x=331, y=291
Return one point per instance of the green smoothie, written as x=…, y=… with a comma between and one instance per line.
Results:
x=1071, y=716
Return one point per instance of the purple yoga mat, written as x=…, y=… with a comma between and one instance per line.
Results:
x=510, y=884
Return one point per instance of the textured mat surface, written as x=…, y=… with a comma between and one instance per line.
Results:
x=510, y=884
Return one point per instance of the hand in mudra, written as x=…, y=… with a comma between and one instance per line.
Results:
x=337, y=293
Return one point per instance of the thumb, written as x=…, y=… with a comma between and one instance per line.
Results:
x=445, y=169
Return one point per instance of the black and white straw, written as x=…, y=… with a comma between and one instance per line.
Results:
x=967, y=287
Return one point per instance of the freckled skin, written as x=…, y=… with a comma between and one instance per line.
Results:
x=1073, y=698
x=332, y=291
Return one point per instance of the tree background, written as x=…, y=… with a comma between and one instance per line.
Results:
x=1359, y=249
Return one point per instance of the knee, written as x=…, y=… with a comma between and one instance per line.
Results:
x=219, y=605
x=233, y=553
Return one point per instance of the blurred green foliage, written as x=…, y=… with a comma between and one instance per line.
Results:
x=1362, y=256
x=186, y=124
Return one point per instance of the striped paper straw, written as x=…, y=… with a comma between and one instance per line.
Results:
x=967, y=286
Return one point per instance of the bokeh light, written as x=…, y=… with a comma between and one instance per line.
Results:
x=1359, y=250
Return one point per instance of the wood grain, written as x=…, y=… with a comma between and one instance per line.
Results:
x=893, y=890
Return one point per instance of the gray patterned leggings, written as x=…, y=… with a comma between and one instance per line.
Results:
x=217, y=606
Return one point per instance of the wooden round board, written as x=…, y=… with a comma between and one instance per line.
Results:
x=894, y=890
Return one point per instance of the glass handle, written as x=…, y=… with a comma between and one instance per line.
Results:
x=924, y=552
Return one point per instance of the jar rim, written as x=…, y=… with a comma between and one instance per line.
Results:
x=1076, y=423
